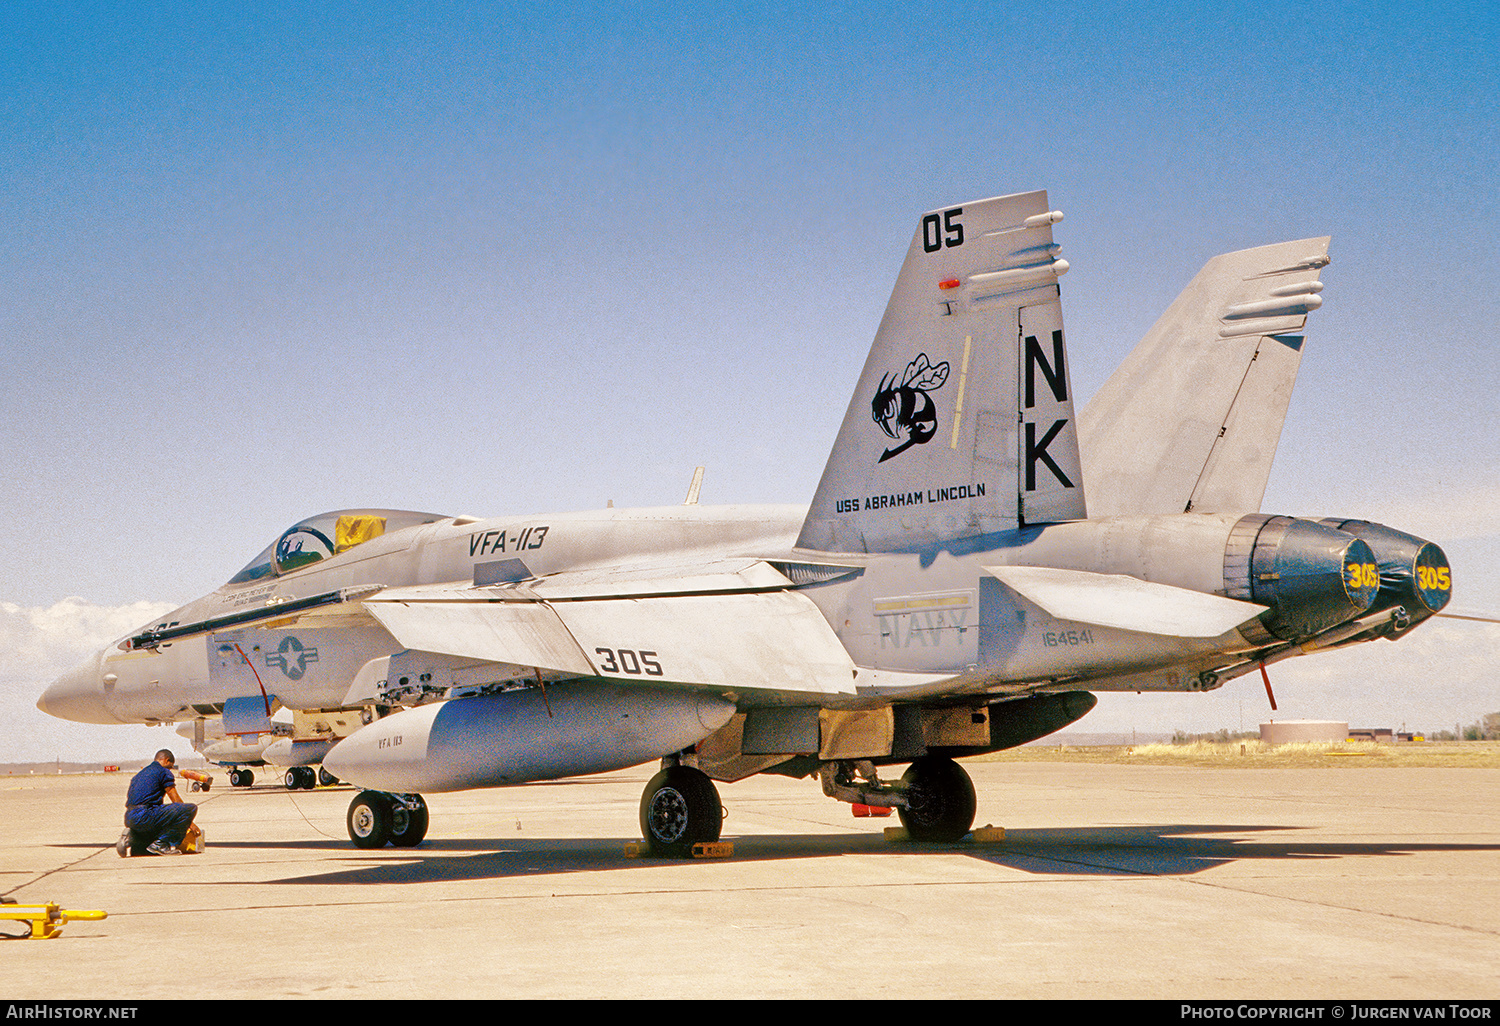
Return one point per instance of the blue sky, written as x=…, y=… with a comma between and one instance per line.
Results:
x=265, y=261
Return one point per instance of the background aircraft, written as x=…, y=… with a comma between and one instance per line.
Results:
x=950, y=591
x=279, y=747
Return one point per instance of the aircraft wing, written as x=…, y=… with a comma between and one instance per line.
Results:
x=732, y=623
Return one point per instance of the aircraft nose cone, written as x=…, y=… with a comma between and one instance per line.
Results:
x=78, y=695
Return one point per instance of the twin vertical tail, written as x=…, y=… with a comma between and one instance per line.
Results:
x=1191, y=420
x=962, y=424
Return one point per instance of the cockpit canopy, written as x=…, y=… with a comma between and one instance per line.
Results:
x=324, y=536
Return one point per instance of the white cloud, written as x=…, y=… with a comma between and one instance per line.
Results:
x=39, y=644
x=42, y=643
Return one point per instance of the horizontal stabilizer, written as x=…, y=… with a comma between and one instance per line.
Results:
x=1125, y=603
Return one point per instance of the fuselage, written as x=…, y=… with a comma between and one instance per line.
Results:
x=171, y=682
x=938, y=620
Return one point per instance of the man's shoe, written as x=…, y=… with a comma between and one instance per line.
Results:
x=162, y=848
x=122, y=846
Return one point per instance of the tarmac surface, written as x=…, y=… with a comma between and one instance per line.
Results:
x=1112, y=882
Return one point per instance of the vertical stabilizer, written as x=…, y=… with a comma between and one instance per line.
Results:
x=963, y=422
x=1191, y=420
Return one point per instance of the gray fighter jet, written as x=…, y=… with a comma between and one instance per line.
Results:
x=241, y=754
x=949, y=592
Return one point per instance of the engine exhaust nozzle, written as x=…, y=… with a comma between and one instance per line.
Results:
x=1311, y=576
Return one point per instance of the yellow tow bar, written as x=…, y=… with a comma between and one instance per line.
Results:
x=47, y=919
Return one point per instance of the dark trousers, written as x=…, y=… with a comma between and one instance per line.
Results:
x=167, y=823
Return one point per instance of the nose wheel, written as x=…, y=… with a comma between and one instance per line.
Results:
x=680, y=808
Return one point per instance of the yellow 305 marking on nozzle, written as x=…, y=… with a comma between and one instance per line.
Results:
x=958, y=406
x=1433, y=578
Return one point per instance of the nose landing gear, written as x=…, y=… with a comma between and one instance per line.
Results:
x=679, y=809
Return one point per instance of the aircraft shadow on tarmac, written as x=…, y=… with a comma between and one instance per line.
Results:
x=1128, y=851
x=1178, y=849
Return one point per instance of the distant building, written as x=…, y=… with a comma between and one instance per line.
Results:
x=1384, y=735
x=1282, y=732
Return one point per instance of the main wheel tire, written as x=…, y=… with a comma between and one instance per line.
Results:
x=680, y=808
x=293, y=779
x=369, y=819
x=325, y=778
x=939, y=800
x=408, y=826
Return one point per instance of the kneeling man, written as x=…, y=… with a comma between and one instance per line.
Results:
x=148, y=816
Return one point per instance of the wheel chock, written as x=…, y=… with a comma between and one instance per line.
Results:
x=987, y=834
x=46, y=919
x=701, y=850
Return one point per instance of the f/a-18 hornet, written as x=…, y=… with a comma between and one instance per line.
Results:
x=241, y=752
x=949, y=592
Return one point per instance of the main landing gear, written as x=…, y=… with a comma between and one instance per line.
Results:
x=935, y=797
x=241, y=778
x=376, y=819
x=301, y=777
x=939, y=800
x=306, y=778
x=679, y=809
x=935, y=800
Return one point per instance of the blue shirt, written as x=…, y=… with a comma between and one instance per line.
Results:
x=149, y=786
